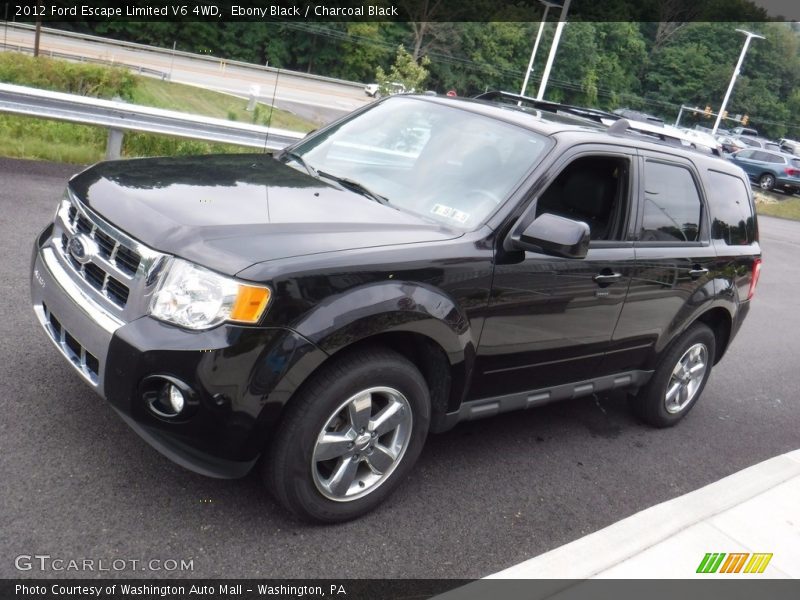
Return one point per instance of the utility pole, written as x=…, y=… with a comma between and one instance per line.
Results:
x=5, y=28
x=736, y=70
x=553, y=48
x=547, y=6
x=172, y=59
x=38, y=28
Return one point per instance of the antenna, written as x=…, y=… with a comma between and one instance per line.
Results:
x=272, y=108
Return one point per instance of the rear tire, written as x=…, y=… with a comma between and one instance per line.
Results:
x=679, y=378
x=350, y=437
x=766, y=181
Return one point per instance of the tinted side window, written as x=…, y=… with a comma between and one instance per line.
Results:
x=761, y=156
x=777, y=159
x=745, y=154
x=672, y=205
x=731, y=213
x=592, y=189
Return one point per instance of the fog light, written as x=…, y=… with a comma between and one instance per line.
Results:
x=176, y=400
x=168, y=397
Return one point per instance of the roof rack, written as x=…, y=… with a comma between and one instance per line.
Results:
x=510, y=98
x=616, y=124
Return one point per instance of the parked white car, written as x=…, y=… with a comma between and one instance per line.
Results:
x=790, y=146
x=705, y=139
x=374, y=90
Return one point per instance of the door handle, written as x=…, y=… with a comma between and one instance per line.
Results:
x=606, y=278
x=697, y=271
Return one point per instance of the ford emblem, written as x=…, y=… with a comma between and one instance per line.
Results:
x=79, y=250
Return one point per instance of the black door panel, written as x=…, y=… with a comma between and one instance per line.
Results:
x=549, y=322
x=675, y=263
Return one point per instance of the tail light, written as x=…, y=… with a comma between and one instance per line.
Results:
x=754, y=277
x=792, y=172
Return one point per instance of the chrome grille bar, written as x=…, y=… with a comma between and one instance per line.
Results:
x=115, y=272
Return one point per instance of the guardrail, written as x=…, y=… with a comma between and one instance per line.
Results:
x=119, y=117
x=168, y=52
x=87, y=59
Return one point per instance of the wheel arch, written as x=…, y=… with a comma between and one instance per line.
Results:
x=419, y=322
x=720, y=321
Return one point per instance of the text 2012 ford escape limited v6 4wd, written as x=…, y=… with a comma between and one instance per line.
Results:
x=421, y=262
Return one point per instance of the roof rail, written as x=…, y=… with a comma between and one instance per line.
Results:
x=617, y=124
x=594, y=114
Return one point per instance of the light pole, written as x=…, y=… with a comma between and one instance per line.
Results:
x=172, y=59
x=553, y=48
x=750, y=36
x=547, y=7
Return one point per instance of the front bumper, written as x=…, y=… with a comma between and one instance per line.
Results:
x=242, y=376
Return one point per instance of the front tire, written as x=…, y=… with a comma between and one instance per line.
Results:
x=351, y=436
x=678, y=380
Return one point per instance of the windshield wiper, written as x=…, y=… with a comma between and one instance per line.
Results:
x=355, y=186
x=299, y=159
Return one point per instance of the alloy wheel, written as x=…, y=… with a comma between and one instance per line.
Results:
x=686, y=378
x=361, y=443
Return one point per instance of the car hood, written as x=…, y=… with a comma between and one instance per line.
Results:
x=228, y=212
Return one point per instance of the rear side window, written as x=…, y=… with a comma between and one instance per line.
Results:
x=672, y=207
x=731, y=213
x=775, y=159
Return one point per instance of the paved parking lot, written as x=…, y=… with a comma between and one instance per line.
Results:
x=77, y=483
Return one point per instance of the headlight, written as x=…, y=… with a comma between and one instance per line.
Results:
x=196, y=298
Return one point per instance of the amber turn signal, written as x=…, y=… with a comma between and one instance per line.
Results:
x=250, y=303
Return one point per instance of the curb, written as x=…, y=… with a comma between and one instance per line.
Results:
x=599, y=551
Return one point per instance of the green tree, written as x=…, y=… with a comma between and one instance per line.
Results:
x=405, y=70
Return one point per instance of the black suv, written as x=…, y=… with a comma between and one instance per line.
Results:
x=421, y=262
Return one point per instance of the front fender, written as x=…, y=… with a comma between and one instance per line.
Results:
x=384, y=307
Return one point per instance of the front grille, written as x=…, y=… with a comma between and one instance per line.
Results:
x=114, y=285
x=106, y=244
x=115, y=272
x=86, y=362
x=82, y=224
x=127, y=260
x=94, y=275
x=117, y=291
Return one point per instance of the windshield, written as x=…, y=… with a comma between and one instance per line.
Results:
x=439, y=162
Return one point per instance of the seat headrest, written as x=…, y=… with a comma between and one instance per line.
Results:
x=587, y=193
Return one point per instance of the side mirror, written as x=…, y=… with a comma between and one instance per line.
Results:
x=554, y=235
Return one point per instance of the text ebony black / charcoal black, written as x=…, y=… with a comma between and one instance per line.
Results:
x=421, y=262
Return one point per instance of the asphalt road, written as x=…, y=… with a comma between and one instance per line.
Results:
x=77, y=483
x=317, y=100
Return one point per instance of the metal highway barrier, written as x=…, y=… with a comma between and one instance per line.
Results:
x=119, y=117
x=167, y=52
x=87, y=59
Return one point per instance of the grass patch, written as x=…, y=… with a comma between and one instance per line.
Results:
x=190, y=99
x=784, y=207
x=28, y=137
